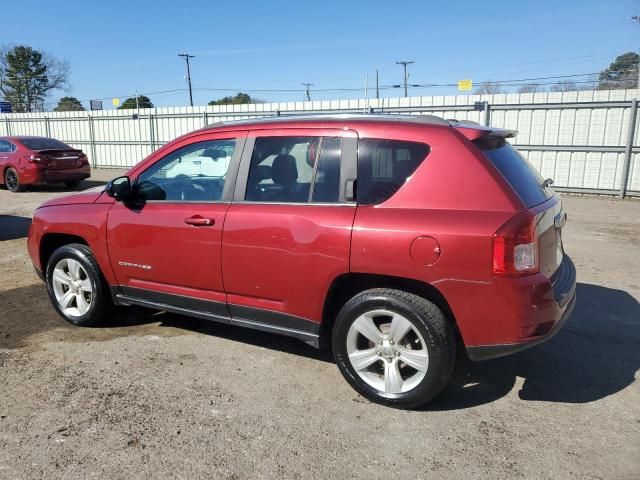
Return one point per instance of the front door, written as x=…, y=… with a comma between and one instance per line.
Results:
x=165, y=246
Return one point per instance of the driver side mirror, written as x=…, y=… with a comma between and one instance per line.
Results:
x=120, y=188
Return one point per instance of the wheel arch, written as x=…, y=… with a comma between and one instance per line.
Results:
x=348, y=285
x=50, y=242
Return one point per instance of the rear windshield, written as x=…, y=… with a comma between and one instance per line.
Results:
x=521, y=175
x=44, y=144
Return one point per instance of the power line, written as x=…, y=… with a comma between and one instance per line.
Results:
x=578, y=78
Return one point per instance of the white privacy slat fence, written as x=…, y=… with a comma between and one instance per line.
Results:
x=580, y=139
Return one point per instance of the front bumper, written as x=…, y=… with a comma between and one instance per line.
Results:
x=563, y=284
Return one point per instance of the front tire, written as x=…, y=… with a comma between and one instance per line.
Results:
x=76, y=287
x=12, y=180
x=73, y=183
x=394, y=347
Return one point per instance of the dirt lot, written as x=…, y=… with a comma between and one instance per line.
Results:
x=162, y=396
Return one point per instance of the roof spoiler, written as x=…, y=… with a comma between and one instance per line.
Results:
x=474, y=131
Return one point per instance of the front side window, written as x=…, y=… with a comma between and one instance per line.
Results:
x=384, y=166
x=295, y=170
x=194, y=173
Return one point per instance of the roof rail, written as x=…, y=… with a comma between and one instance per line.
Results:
x=372, y=117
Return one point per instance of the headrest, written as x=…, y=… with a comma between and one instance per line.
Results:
x=284, y=170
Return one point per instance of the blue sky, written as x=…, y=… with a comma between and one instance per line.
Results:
x=116, y=47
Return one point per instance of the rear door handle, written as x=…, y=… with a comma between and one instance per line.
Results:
x=198, y=221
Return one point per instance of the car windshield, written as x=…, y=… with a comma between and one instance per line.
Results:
x=37, y=143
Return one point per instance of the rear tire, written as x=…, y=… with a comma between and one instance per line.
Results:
x=76, y=287
x=73, y=183
x=12, y=180
x=394, y=347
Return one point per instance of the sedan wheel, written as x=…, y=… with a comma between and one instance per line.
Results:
x=12, y=180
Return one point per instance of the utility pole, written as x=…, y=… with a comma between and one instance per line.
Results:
x=307, y=93
x=404, y=63
x=636, y=18
x=377, y=85
x=186, y=57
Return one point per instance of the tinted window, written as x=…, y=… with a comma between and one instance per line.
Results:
x=44, y=144
x=327, y=181
x=5, y=147
x=193, y=173
x=520, y=174
x=384, y=166
x=283, y=169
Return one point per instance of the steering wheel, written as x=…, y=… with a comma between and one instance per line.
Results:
x=190, y=190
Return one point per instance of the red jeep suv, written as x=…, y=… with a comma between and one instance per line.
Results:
x=40, y=160
x=394, y=239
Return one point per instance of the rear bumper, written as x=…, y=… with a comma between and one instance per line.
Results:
x=563, y=286
x=36, y=175
x=56, y=176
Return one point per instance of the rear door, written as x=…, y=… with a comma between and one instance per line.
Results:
x=287, y=233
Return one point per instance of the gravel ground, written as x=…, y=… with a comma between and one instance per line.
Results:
x=163, y=396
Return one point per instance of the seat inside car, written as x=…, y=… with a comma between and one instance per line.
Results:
x=284, y=173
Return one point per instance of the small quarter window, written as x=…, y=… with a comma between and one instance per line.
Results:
x=384, y=166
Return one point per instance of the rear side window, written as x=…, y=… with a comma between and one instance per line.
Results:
x=384, y=166
x=295, y=170
x=5, y=147
x=521, y=175
x=44, y=144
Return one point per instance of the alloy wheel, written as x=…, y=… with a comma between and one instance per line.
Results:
x=72, y=287
x=11, y=179
x=387, y=351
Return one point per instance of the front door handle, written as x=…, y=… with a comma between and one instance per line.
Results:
x=198, y=221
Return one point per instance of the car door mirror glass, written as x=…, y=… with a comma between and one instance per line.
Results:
x=120, y=188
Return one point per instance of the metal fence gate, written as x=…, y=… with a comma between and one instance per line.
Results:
x=585, y=141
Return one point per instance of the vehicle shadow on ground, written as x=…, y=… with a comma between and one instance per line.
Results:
x=27, y=318
x=594, y=356
x=13, y=227
x=61, y=187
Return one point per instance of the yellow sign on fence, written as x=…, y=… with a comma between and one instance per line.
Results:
x=465, y=85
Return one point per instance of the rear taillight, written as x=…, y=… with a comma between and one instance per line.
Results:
x=83, y=159
x=35, y=159
x=515, y=247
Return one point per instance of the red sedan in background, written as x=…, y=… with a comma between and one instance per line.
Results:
x=40, y=160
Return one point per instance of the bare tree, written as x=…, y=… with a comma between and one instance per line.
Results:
x=564, y=86
x=489, y=87
x=531, y=88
